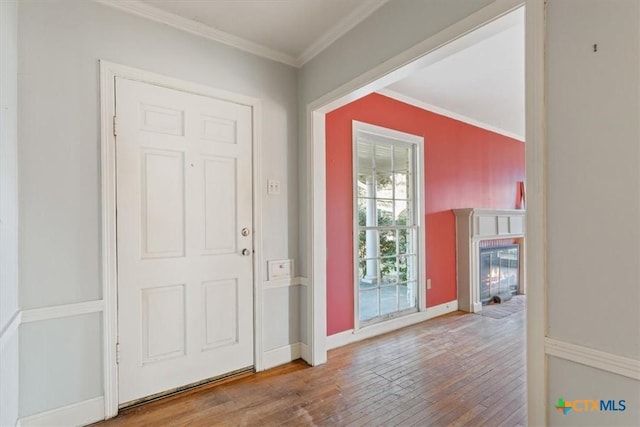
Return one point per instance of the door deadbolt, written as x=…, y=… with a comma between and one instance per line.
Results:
x=246, y=252
x=245, y=232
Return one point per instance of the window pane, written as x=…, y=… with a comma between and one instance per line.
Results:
x=404, y=213
x=384, y=185
x=368, y=304
x=383, y=153
x=368, y=244
x=405, y=241
x=402, y=158
x=401, y=183
x=402, y=269
x=389, y=271
x=388, y=299
x=365, y=184
x=388, y=243
x=407, y=295
x=385, y=212
x=401, y=210
x=365, y=157
x=412, y=267
x=366, y=213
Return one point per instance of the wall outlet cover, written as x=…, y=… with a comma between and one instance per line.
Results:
x=280, y=269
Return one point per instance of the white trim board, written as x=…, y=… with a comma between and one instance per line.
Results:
x=10, y=329
x=603, y=360
x=284, y=283
x=77, y=414
x=339, y=29
x=536, y=215
x=60, y=311
x=350, y=336
x=108, y=72
x=447, y=113
x=282, y=355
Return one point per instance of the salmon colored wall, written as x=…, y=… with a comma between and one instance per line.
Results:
x=465, y=166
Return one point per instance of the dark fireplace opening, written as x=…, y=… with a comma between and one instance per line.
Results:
x=499, y=271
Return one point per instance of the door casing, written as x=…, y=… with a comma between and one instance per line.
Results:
x=108, y=72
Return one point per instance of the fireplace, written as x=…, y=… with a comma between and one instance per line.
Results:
x=489, y=255
x=499, y=271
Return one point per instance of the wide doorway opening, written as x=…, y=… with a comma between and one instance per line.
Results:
x=343, y=273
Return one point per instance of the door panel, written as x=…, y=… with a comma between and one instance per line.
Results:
x=163, y=334
x=162, y=198
x=185, y=291
x=221, y=313
x=220, y=208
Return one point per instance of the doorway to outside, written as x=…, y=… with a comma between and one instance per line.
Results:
x=184, y=283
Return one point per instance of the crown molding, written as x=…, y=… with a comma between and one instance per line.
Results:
x=444, y=112
x=139, y=8
x=338, y=30
x=343, y=26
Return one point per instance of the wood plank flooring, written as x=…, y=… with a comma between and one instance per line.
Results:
x=456, y=370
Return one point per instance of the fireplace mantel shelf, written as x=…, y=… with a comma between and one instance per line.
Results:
x=474, y=225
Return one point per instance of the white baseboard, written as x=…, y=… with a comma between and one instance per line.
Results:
x=77, y=414
x=282, y=355
x=304, y=352
x=347, y=337
x=594, y=358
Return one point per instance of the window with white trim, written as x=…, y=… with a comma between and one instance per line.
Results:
x=386, y=227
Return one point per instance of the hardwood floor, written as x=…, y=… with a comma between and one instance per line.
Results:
x=459, y=369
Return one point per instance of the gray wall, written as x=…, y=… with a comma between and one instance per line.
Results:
x=65, y=374
x=8, y=213
x=593, y=195
x=60, y=43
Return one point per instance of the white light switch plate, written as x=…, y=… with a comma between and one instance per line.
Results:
x=273, y=186
x=280, y=269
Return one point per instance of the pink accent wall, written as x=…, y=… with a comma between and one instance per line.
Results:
x=465, y=166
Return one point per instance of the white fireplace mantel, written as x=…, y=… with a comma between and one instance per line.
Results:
x=474, y=225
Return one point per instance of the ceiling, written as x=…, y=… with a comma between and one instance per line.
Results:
x=478, y=78
x=481, y=83
x=289, y=31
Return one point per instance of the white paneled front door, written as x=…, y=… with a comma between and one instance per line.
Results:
x=184, y=220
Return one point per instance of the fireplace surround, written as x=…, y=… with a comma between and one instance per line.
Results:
x=476, y=227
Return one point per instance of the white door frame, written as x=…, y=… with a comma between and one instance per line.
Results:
x=393, y=70
x=108, y=72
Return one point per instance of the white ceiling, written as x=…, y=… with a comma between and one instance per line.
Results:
x=478, y=78
x=481, y=83
x=289, y=31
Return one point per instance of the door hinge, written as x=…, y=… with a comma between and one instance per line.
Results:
x=115, y=126
x=117, y=353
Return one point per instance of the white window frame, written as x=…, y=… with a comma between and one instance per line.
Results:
x=419, y=217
